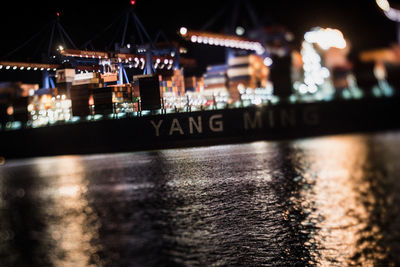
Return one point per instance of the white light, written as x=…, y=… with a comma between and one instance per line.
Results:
x=15, y=67
x=315, y=74
x=247, y=46
x=241, y=88
x=158, y=60
x=303, y=89
x=383, y=4
x=260, y=50
x=194, y=38
x=325, y=73
x=41, y=68
x=326, y=38
x=240, y=31
x=183, y=31
x=268, y=61
x=165, y=61
x=21, y=68
x=48, y=69
x=35, y=68
x=8, y=67
x=28, y=68
x=313, y=89
x=60, y=47
x=128, y=46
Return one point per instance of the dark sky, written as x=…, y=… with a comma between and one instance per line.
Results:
x=360, y=20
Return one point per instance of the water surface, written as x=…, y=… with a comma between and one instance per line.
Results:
x=330, y=201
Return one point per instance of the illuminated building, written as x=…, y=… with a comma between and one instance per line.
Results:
x=383, y=88
x=178, y=82
x=194, y=84
x=48, y=109
x=216, y=84
x=14, y=100
x=326, y=69
x=116, y=100
x=247, y=72
x=386, y=58
x=172, y=88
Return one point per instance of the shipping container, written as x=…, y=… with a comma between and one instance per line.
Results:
x=281, y=76
x=20, y=110
x=114, y=99
x=149, y=87
x=80, y=95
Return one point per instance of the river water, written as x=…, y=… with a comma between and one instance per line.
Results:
x=329, y=201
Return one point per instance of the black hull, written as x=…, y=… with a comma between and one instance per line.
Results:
x=274, y=122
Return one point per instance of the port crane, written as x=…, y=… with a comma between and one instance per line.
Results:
x=47, y=62
x=236, y=38
x=62, y=52
x=144, y=56
x=271, y=45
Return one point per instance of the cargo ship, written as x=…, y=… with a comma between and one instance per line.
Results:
x=138, y=97
x=200, y=128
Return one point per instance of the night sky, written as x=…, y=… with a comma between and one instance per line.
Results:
x=360, y=20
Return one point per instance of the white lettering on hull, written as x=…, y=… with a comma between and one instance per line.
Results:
x=175, y=127
x=198, y=125
x=254, y=123
x=216, y=124
x=157, y=126
x=284, y=118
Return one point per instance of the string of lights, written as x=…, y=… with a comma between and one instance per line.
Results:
x=221, y=40
x=8, y=65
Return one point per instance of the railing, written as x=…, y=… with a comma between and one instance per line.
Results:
x=192, y=104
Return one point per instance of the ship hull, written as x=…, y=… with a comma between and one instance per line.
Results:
x=269, y=122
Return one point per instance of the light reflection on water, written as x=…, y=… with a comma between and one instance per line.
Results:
x=355, y=181
x=72, y=224
x=324, y=201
